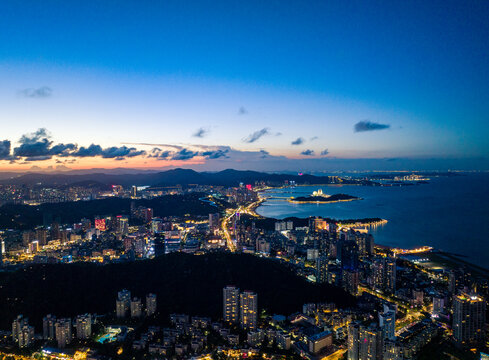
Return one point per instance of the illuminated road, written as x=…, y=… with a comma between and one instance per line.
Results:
x=224, y=227
x=225, y=222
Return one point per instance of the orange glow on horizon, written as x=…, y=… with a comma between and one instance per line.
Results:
x=97, y=162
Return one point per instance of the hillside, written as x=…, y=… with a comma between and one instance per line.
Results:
x=26, y=216
x=173, y=177
x=183, y=283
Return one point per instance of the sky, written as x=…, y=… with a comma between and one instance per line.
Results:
x=260, y=85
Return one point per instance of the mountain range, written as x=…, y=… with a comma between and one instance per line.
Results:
x=172, y=177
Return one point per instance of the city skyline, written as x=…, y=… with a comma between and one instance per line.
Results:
x=270, y=87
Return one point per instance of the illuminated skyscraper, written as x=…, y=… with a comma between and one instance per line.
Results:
x=387, y=322
x=213, y=221
x=248, y=310
x=150, y=304
x=123, y=303
x=469, y=315
x=136, y=308
x=365, y=342
x=322, y=269
x=83, y=325
x=384, y=272
x=63, y=332
x=351, y=280
x=48, y=327
x=22, y=333
x=230, y=304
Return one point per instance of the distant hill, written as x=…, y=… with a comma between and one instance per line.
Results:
x=172, y=177
x=183, y=283
x=26, y=216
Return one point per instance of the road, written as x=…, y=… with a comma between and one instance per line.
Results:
x=225, y=222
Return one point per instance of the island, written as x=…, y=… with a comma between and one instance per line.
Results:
x=320, y=197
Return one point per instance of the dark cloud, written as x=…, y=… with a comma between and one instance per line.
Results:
x=38, y=146
x=184, y=154
x=122, y=151
x=314, y=138
x=256, y=135
x=324, y=152
x=39, y=93
x=242, y=111
x=264, y=153
x=187, y=154
x=215, y=154
x=366, y=125
x=298, y=141
x=113, y=152
x=5, y=150
x=308, y=152
x=201, y=133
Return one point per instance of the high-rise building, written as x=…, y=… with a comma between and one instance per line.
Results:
x=349, y=255
x=384, y=274
x=365, y=342
x=353, y=341
x=322, y=269
x=42, y=236
x=392, y=350
x=150, y=304
x=213, y=221
x=469, y=315
x=123, y=303
x=63, y=332
x=134, y=191
x=48, y=327
x=387, y=322
x=390, y=275
x=351, y=280
x=248, y=308
x=230, y=304
x=122, y=224
x=136, y=308
x=159, y=244
x=83, y=325
x=22, y=333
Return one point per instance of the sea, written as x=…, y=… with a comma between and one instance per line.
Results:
x=449, y=213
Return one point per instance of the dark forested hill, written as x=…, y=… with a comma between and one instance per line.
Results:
x=183, y=283
x=26, y=216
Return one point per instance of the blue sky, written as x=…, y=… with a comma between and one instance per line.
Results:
x=127, y=73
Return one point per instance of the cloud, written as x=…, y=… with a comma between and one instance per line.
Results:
x=366, y=125
x=308, y=152
x=5, y=150
x=38, y=146
x=264, y=153
x=185, y=153
x=298, y=141
x=324, y=152
x=314, y=138
x=39, y=93
x=256, y=135
x=242, y=111
x=121, y=152
x=200, y=133
x=216, y=154
x=113, y=152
